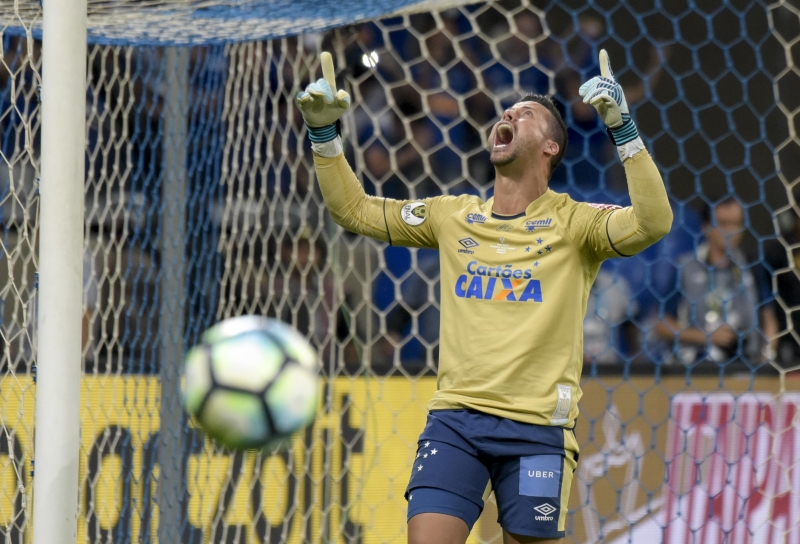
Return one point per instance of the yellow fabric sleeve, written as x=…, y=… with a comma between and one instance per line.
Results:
x=586, y=225
x=426, y=233
x=382, y=218
x=349, y=206
x=649, y=218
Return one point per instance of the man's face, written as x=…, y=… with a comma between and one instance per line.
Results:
x=727, y=233
x=302, y=257
x=522, y=131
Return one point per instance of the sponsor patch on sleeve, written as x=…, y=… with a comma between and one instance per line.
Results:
x=414, y=213
x=604, y=206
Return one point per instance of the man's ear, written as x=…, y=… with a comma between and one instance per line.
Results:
x=551, y=148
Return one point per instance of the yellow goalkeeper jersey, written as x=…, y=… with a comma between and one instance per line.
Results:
x=514, y=291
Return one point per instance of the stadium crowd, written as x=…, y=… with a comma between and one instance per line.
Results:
x=720, y=292
x=701, y=300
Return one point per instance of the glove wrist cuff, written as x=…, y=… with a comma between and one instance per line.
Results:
x=628, y=150
x=624, y=133
x=328, y=149
x=320, y=135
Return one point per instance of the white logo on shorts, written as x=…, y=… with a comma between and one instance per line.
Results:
x=545, y=509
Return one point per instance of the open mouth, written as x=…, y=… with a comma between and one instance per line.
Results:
x=504, y=135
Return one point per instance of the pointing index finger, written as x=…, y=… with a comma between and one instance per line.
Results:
x=605, y=65
x=327, y=70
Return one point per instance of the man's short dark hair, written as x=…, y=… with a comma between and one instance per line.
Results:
x=558, y=128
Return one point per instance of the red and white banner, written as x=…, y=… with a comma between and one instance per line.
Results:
x=733, y=470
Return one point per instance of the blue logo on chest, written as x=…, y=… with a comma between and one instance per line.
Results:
x=531, y=226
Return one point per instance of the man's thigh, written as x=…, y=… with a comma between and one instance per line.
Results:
x=446, y=480
x=433, y=528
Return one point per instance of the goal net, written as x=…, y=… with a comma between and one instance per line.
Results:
x=192, y=136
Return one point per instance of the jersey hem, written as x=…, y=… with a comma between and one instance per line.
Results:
x=438, y=405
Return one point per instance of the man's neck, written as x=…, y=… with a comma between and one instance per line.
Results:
x=514, y=191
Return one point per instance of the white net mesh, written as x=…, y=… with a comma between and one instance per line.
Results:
x=673, y=449
x=19, y=209
x=192, y=22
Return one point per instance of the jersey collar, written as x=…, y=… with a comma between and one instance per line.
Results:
x=508, y=217
x=532, y=208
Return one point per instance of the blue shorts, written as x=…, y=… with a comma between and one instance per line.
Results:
x=462, y=455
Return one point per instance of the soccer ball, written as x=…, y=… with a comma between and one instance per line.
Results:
x=252, y=383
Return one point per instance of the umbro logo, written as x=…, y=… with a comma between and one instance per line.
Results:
x=468, y=244
x=545, y=509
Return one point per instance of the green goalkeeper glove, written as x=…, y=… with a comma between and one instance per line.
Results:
x=605, y=94
x=321, y=105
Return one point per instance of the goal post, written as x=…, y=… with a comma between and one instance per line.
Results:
x=173, y=292
x=60, y=314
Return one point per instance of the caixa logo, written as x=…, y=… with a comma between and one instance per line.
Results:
x=475, y=218
x=498, y=283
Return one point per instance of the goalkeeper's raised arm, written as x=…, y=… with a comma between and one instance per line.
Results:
x=649, y=217
x=408, y=223
x=322, y=106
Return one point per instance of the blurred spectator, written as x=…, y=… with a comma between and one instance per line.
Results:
x=783, y=260
x=302, y=290
x=607, y=309
x=23, y=343
x=715, y=310
x=421, y=293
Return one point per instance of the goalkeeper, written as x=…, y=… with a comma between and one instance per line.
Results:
x=516, y=272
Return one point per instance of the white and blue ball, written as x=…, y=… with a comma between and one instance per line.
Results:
x=252, y=382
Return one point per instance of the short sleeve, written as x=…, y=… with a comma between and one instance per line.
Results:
x=587, y=225
x=416, y=223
